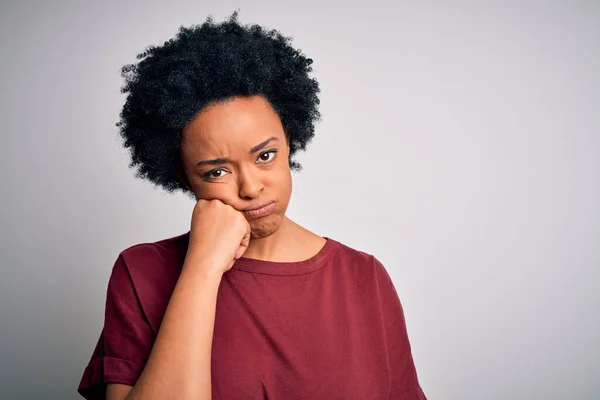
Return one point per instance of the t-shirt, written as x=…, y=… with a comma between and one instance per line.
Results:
x=330, y=327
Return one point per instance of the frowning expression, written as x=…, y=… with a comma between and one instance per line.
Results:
x=236, y=151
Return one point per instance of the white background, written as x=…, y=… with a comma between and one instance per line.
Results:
x=459, y=144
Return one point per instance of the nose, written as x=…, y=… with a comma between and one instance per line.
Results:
x=250, y=185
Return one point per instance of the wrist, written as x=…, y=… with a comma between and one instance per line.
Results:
x=205, y=265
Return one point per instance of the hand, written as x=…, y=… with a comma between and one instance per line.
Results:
x=219, y=235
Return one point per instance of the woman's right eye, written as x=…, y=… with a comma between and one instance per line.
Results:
x=215, y=173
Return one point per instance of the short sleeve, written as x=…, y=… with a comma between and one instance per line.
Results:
x=126, y=339
x=404, y=383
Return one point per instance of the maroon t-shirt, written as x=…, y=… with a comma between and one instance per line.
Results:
x=330, y=327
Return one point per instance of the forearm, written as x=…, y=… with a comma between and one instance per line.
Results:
x=180, y=362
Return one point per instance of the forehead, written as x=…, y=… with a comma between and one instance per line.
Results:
x=241, y=120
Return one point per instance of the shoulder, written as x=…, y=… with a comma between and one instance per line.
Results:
x=149, y=255
x=366, y=274
x=155, y=260
x=148, y=273
x=158, y=260
x=359, y=260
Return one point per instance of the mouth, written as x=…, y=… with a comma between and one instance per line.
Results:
x=259, y=210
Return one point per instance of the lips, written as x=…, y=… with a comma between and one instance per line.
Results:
x=259, y=210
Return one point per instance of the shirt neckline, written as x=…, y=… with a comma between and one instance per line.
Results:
x=288, y=268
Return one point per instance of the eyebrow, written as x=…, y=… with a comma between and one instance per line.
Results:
x=224, y=160
x=262, y=145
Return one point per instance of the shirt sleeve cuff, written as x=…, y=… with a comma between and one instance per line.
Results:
x=105, y=370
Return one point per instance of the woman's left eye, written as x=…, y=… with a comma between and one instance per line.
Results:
x=266, y=156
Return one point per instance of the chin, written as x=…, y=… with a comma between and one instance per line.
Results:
x=264, y=227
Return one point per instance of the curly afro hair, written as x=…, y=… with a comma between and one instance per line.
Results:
x=202, y=65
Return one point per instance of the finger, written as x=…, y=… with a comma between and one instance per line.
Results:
x=246, y=239
x=240, y=250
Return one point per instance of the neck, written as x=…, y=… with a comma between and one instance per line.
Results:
x=288, y=243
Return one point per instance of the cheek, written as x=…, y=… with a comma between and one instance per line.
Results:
x=281, y=181
x=210, y=191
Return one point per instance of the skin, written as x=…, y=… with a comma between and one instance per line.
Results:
x=230, y=130
x=248, y=133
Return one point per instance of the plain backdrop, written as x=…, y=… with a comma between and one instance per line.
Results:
x=459, y=144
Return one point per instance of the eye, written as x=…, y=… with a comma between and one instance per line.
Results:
x=266, y=156
x=215, y=173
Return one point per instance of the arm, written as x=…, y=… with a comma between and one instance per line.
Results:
x=133, y=360
x=180, y=361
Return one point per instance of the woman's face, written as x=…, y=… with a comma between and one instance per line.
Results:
x=236, y=151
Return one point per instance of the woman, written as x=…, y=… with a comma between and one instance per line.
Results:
x=248, y=304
